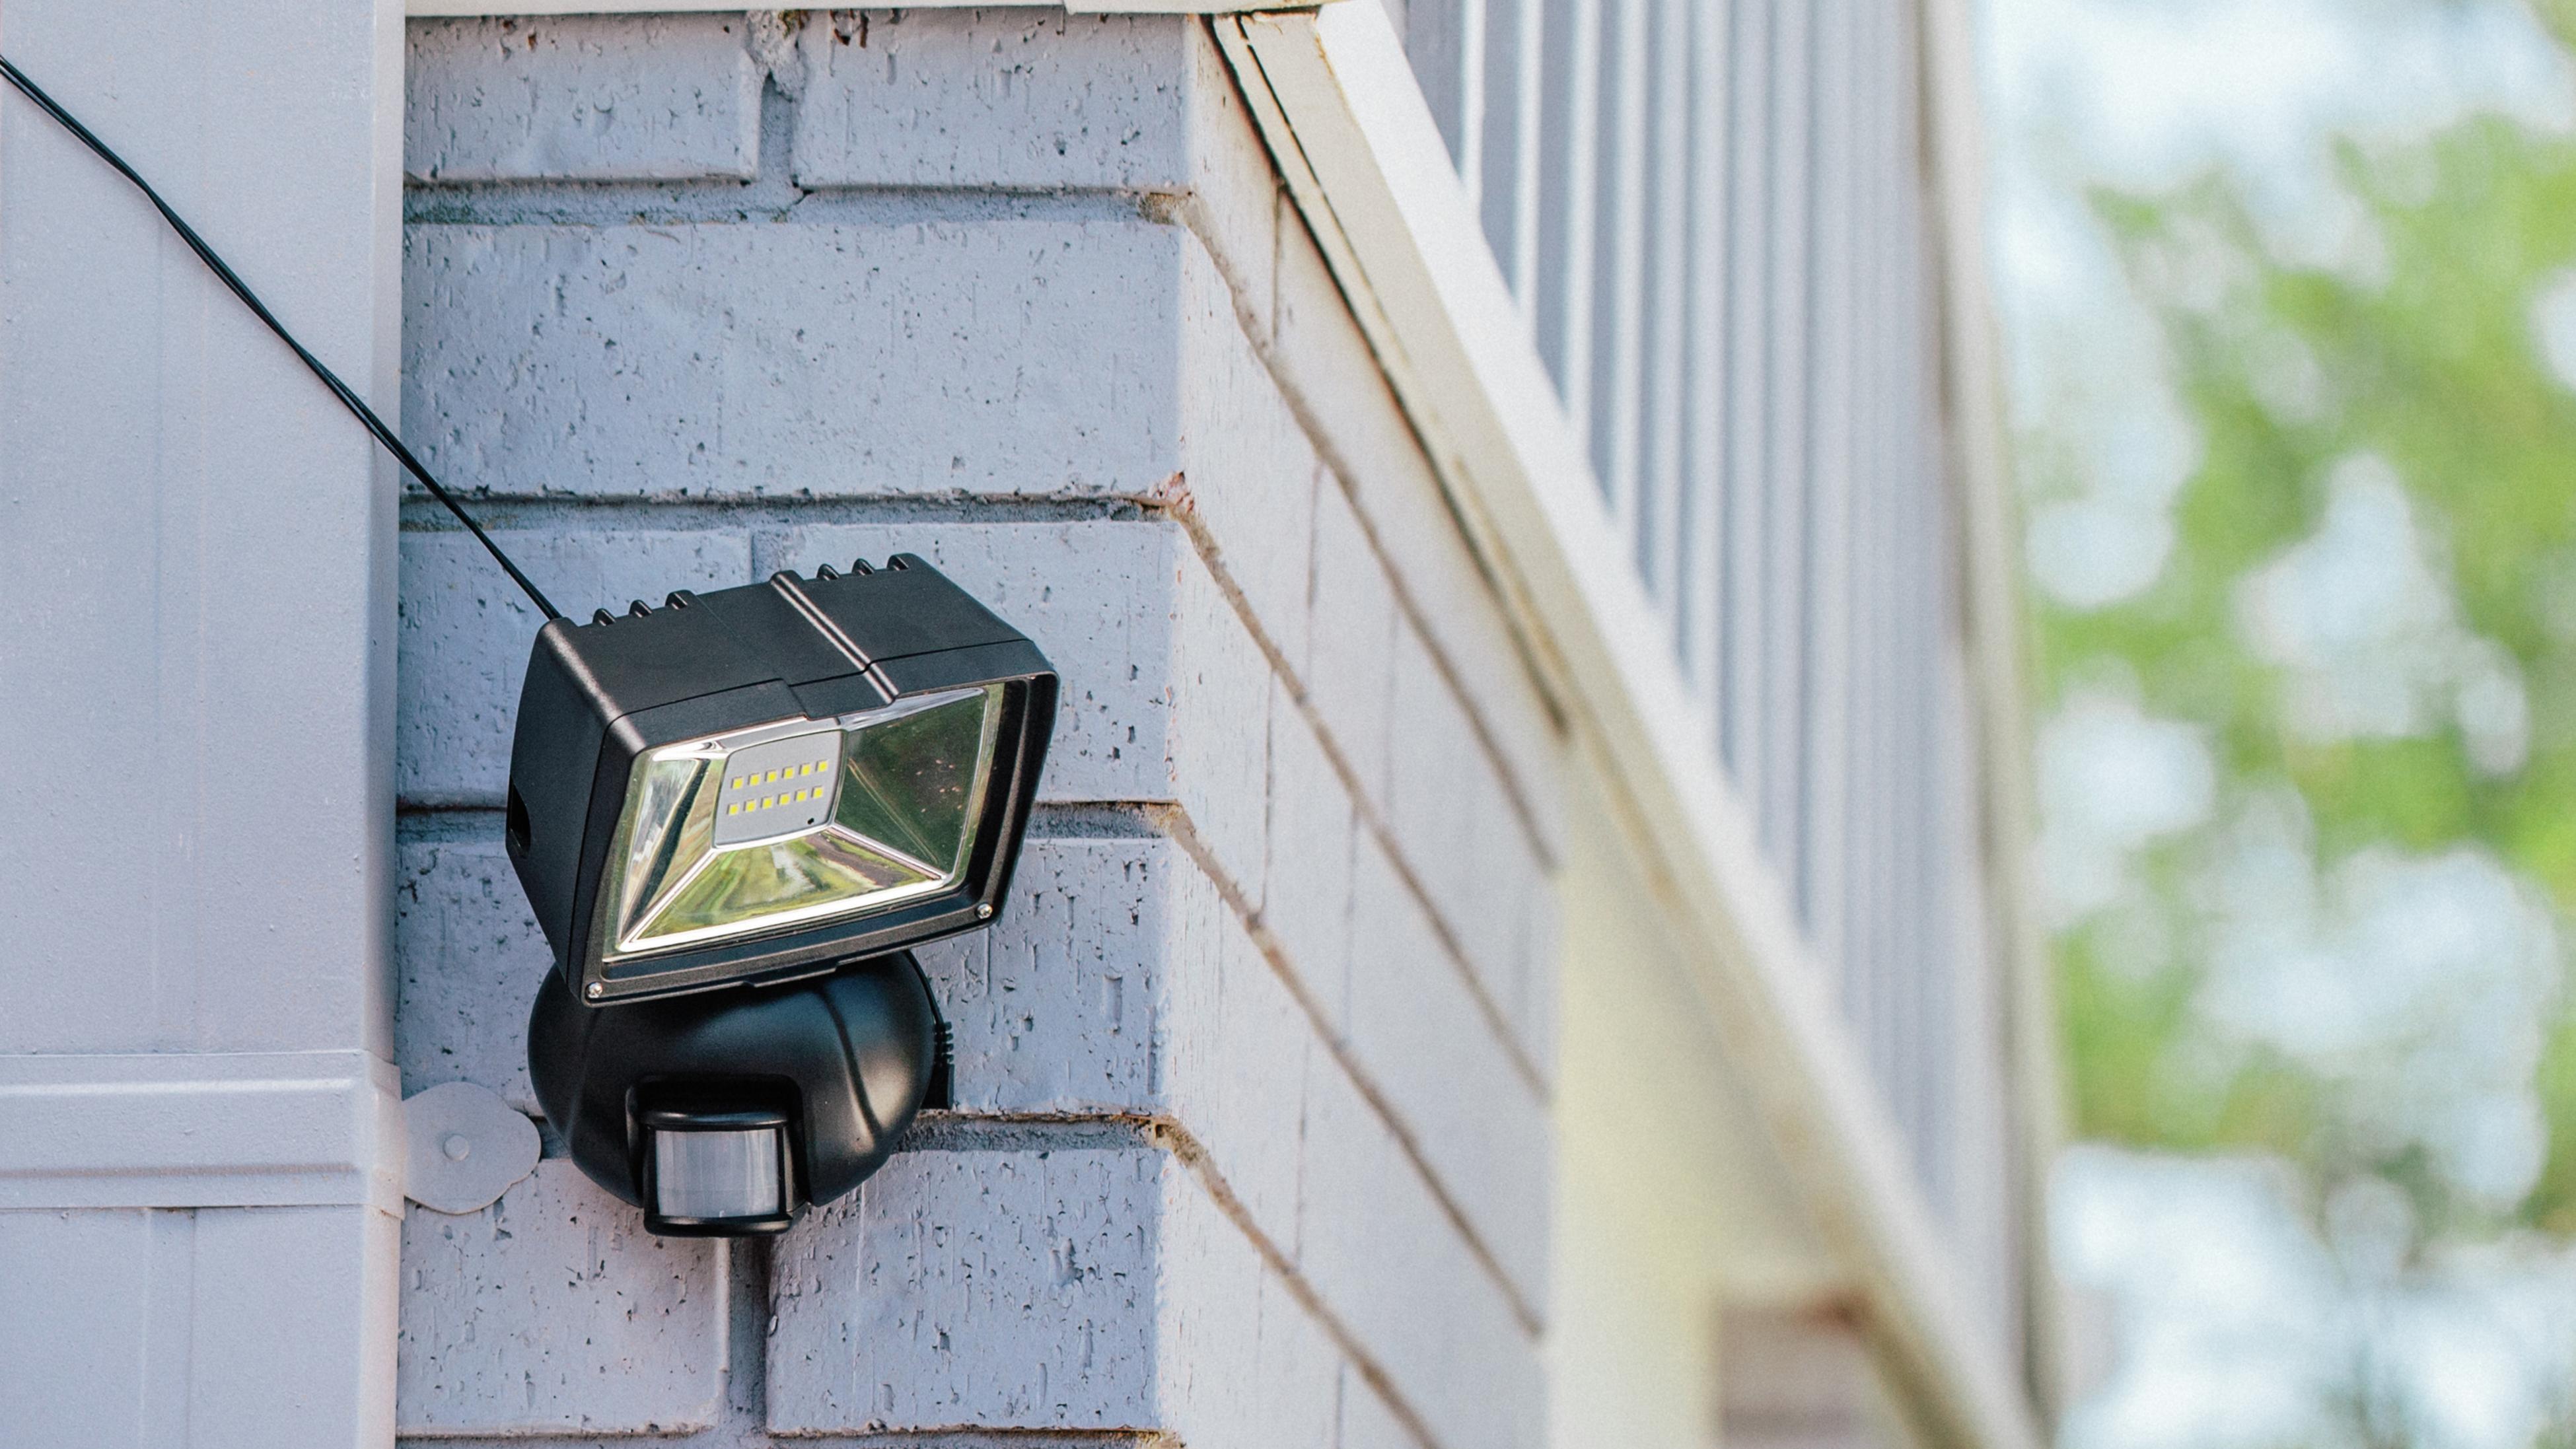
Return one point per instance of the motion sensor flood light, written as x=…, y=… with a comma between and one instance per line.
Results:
x=790, y=780
x=763, y=782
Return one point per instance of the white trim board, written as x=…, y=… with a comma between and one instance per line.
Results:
x=1364, y=162
x=201, y=1130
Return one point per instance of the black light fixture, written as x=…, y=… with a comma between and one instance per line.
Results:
x=733, y=816
x=750, y=787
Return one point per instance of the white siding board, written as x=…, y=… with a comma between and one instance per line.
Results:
x=200, y=551
x=1474, y=37
x=1436, y=43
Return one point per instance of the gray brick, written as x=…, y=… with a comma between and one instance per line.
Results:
x=1247, y=467
x=1351, y=641
x=994, y=98
x=465, y=631
x=1540, y=1007
x=1307, y=904
x=1003, y=356
x=1220, y=686
x=1238, y=1051
x=1454, y=828
x=1478, y=1122
x=553, y=1311
x=1435, y=774
x=1232, y=202
x=1002, y=1289
x=1059, y=1007
x=581, y=98
x=468, y=958
x=1244, y=1363
x=1378, y=1250
x=1506, y=868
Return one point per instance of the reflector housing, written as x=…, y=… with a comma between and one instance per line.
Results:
x=759, y=783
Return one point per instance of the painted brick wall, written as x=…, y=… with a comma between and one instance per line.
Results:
x=1253, y=1139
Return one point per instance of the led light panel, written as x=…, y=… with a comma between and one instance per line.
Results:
x=749, y=832
x=770, y=781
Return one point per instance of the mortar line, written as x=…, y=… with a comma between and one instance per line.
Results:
x=726, y=1437
x=504, y=509
x=552, y=201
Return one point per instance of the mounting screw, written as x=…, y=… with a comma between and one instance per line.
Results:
x=595, y=991
x=984, y=911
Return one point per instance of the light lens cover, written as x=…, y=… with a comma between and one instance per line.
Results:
x=796, y=822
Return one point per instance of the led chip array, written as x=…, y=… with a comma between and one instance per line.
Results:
x=782, y=786
x=750, y=801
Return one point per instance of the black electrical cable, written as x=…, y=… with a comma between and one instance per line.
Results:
x=357, y=407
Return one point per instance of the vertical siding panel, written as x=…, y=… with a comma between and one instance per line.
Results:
x=1564, y=294
x=1500, y=149
x=1830, y=415
x=1658, y=537
x=1619, y=265
x=1702, y=520
x=1784, y=612
x=1896, y=988
x=1747, y=319
x=1473, y=34
x=1860, y=937
x=1924, y=633
x=1435, y=43
x=1880, y=821
x=1935, y=552
x=1530, y=59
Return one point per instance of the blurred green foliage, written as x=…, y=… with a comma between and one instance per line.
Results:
x=2429, y=359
